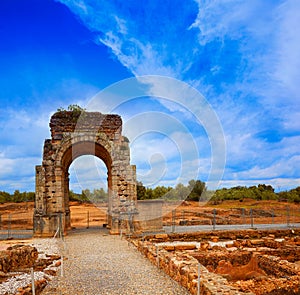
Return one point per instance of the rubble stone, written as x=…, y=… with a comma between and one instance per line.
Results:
x=17, y=257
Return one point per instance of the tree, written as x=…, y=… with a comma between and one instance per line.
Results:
x=17, y=197
x=30, y=196
x=140, y=190
x=4, y=197
x=196, y=187
x=160, y=191
x=181, y=192
x=86, y=194
x=98, y=195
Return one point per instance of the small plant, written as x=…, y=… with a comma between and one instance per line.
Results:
x=77, y=112
x=75, y=108
x=72, y=108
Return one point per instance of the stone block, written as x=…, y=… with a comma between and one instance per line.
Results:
x=17, y=257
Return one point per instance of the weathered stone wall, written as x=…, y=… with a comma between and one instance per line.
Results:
x=183, y=268
x=17, y=257
x=74, y=134
x=150, y=214
x=91, y=122
x=227, y=235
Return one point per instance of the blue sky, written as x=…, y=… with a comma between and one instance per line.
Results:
x=242, y=56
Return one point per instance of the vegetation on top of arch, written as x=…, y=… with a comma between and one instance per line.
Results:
x=72, y=108
x=77, y=111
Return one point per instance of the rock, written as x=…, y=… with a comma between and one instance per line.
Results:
x=230, y=245
x=257, y=242
x=215, y=239
x=204, y=246
x=232, y=249
x=185, y=247
x=39, y=286
x=244, y=272
x=18, y=257
x=236, y=244
x=161, y=236
x=169, y=247
x=50, y=272
x=297, y=265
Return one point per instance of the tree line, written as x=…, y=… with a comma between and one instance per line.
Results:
x=260, y=192
x=16, y=197
x=195, y=190
x=87, y=196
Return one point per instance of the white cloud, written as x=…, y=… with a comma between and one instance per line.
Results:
x=234, y=19
x=163, y=148
x=140, y=58
x=23, y=133
x=87, y=172
x=22, y=137
x=287, y=65
x=242, y=55
x=6, y=165
x=25, y=183
x=17, y=173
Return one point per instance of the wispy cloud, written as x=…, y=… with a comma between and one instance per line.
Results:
x=287, y=50
x=242, y=55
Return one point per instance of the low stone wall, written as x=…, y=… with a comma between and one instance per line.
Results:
x=225, y=235
x=274, y=266
x=183, y=268
x=17, y=257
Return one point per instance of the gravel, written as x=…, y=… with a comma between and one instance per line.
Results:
x=46, y=246
x=21, y=279
x=98, y=263
x=12, y=285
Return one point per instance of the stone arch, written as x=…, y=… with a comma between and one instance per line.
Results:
x=98, y=135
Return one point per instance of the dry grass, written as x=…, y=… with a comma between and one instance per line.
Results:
x=19, y=215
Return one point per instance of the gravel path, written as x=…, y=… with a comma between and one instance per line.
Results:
x=98, y=263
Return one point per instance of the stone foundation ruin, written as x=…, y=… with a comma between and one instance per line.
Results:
x=73, y=134
x=248, y=262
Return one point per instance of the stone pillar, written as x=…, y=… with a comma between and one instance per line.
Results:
x=39, y=189
x=114, y=201
x=109, y=201
x=66, y=200
x=40, y=206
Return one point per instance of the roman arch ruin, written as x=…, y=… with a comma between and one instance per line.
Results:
x=73, y=134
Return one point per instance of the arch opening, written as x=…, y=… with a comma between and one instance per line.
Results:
x=88, y=150
x=88, y=192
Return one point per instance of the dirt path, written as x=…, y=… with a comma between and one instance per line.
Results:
x=98, y=263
